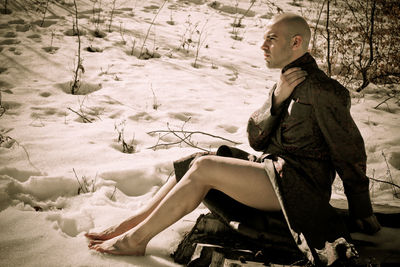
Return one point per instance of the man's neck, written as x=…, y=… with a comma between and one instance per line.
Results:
x=292, y=61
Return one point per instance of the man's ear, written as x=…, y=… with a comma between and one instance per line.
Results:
x=297, y=42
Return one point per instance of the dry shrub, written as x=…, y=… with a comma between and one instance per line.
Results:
x=364, y=40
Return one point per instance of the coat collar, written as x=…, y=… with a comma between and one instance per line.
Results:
x=305, y=62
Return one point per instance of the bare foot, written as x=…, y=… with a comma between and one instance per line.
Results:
x=107, y=234
x=120, y=245
x=119, y=229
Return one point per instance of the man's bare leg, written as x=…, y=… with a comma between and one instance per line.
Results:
x=134, y=220
x=244, y=181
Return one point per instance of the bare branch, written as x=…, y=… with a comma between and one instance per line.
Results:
x=80, y=185
x=186, y=137
x=148, y=30
x=192, y=133
x=386, y=182
x=2, y=108
x=84, y=118
x=76, y=83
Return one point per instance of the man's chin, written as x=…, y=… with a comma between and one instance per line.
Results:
x=271, y=65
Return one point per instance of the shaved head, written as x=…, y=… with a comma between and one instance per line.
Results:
x=293, y=25
x=286, y=38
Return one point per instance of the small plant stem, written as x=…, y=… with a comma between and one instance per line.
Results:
x=113, y=193
x=27, y=154
x=94, y=183
x=44, y=13
x=133, y=47
x=51, y=42
x=75, y=85
x=121, y=32
x=148, y=30
x=390, y=175
x=245, y=13
x=80, y=185
x=2, y=108
x=199, y=44
x=80, y=115
x=313, y=48
x=112, y=15
x=328, y=40
x=155, y=104
x=364, y=70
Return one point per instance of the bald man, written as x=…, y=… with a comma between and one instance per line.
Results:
x=307, y=130
x=306, y=134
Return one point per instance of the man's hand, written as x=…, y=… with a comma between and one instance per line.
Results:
x=369, y=225
x=287, y=82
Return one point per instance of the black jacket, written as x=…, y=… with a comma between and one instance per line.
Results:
x=310, y=138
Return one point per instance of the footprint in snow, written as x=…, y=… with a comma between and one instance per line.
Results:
x=10, y=41
x=229, y=128
x=40, y=112
x=142, y=116
x=45, y=94
x=44, y=23
x=182, y=116
x=16, y=21
x=394, y=160
x=36, y=37
x=11, y=107
x=84, y=89
x=22, y=28
x=10, y=35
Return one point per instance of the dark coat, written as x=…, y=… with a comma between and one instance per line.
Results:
x=310, y=137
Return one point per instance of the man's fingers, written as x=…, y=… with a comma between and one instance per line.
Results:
x=289, y=71
x=288, y=81
x=298, y=81
x=293, y=76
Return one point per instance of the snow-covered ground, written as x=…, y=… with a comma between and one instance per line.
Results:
x=50, y=149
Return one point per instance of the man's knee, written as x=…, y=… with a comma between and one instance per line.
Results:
x=204, y=167
x=204, y=163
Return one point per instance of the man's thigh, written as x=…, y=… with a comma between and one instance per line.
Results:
x=244, y=181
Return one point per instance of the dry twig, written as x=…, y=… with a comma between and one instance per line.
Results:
x=385, y=182
x=79, y=67
x=184, y=137
x=126, y=147
x=148, y=30
x=85, y=185
x=396, y=194
x=2, y=108
x=113, y=193
x=83, y=117
x=394, y=94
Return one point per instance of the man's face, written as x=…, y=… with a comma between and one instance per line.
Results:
x=276, y=46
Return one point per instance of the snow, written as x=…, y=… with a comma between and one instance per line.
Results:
x=43, y=218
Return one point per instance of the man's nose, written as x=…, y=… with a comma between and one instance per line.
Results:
x=264, y=45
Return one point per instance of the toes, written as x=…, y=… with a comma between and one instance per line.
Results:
x=104, y=250
x=94, y=242
x=98, y=248
x=97, y=236
x=92, y=235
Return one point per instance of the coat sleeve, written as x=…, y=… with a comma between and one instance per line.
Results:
x=346, y=146
x=262, y=123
